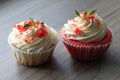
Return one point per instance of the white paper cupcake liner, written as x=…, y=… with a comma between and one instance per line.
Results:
x=32, y=58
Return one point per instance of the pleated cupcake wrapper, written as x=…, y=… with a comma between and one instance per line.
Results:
x=86, y=52
x=31, y=58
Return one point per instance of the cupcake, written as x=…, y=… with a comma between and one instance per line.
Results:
x=32, y=42
x=87, y=36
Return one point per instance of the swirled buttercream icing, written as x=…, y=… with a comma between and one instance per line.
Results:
x=33, y=35
x=86, y=27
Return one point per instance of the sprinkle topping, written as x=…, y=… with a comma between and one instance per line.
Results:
x=78, y=31
x=86, y=27
x=42, y=32
x=86, y=15
x=32, y=29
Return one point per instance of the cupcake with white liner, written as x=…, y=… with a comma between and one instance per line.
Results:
x=87, y=36
x=33, y=42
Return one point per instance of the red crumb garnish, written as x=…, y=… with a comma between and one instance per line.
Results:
x=78, y=31
x=86, y=15
x=36, y=26
x=26, y=40
x=42, y=27
x=93, y=17
x=21, y=28
x=29, y=39
x=82, y=13
x=85, y=19
x=37, y=21
x=42, y=32
x=28, y=22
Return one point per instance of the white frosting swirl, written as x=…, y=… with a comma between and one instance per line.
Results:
x=37, y=44
x=92, y=30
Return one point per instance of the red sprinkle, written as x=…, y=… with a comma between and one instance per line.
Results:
x=28, y=22
x=21, y=28
x=26, y=40
x=93, y=17
x=78, y=31
x=37, y=21
x=36, y=26
x=42, y=28
x=85, y=18
x=82, y=13
x=18, y=27
x=40, y=34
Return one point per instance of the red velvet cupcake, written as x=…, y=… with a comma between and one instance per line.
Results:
x=86, y=37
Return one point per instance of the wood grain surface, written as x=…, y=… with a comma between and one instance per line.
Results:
x=62, y=67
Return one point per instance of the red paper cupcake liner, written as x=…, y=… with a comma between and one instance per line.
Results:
x=88, y=51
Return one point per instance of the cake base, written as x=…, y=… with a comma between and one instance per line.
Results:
x=87, y=50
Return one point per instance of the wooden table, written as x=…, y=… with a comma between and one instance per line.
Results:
x=62, y=67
